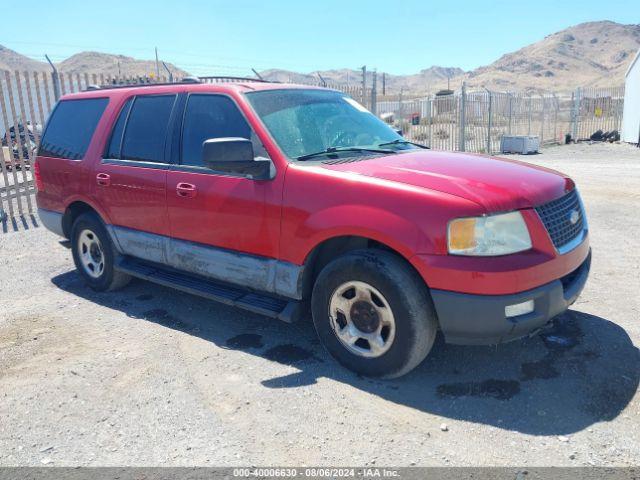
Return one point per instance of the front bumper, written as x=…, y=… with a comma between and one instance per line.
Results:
x=469, y=319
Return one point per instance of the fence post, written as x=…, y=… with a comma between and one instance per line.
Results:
x=462, y=120
x=167, y=69
x=400, y=109
x=529, y=118
x=556, y=107
x=489, y=124
x=575, y=113
x=374, y=93
x=542, y=119
x=510, y=111
x=55, y=79
x=429, y=107
x=364, y=85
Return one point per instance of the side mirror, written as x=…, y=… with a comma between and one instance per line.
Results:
x=234, y=155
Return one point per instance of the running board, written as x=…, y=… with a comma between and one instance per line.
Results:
x=275, y=307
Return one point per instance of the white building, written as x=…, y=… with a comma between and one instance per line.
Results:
x=631, y=116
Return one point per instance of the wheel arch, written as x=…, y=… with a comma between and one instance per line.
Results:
x=74, y=209
x=333, y=247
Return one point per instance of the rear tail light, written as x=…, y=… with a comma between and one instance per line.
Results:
x=37, y=177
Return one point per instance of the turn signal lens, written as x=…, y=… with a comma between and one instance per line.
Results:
x=462, y=234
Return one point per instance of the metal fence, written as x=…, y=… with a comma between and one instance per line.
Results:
x=473, y=121
x=26, y=99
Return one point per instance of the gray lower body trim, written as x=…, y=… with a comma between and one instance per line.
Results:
x=136, y=243
x=257, y=273
x=51, y=220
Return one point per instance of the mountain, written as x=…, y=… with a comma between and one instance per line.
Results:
x=96, y=62
x=11, y=60
x=90, y=62
x=588, y=54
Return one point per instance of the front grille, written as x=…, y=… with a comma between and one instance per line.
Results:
x=556, y=217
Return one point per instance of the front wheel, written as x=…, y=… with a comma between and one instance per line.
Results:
x=373, y=313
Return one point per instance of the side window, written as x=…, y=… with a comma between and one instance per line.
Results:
x=70, y=128
x=146, y=130
x=213, y=116
x=115, y=143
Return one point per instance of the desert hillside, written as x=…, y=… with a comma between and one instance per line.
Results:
x=595, y=53
x=90, y=62
x=588, y=54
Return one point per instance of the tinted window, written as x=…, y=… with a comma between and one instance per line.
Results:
x=113, y=151
x=145, y=133
x=71, y=127
x=213, y=116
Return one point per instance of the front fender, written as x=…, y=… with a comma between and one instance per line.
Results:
x=359, y=220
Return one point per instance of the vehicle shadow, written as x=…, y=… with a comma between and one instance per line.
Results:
x=584, y=369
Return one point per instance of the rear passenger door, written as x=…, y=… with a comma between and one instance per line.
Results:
x=131, y=179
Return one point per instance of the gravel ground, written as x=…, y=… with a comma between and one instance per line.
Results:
x=151, y=376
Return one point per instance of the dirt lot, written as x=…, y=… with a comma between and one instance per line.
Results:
x=151, y=376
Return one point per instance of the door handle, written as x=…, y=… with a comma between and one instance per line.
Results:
x=103, y=179
x=186, y=190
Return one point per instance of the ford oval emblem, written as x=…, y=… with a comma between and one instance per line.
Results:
x=574, y=216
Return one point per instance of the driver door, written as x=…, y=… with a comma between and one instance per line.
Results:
x=214, y=217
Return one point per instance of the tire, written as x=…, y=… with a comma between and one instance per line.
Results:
x=88, y=229
x=374, y=274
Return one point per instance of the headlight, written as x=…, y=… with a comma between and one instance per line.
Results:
x=488, y=236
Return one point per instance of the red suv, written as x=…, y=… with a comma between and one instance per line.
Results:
x=280, y=199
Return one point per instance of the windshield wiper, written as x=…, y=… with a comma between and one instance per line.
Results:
x=400, y=141
x=331, y=150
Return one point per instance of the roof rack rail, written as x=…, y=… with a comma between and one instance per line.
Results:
x=225, y=78
x=192, y=79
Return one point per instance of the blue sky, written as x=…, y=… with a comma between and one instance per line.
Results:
x=230, y=37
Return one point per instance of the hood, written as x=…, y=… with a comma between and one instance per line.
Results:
x=496, y=184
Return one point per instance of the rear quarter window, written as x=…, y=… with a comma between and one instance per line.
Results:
x=71, y=127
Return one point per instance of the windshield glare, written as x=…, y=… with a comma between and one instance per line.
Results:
x=309, y=121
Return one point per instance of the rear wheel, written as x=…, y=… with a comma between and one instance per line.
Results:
x=373, y=313
x=94, y=255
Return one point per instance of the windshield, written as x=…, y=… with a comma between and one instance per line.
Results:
x=304, y=122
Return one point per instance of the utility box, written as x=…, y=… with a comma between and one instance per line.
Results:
x=523, y=144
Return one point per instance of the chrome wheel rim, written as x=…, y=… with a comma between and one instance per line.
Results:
x=362, y=319
x=90, y=253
